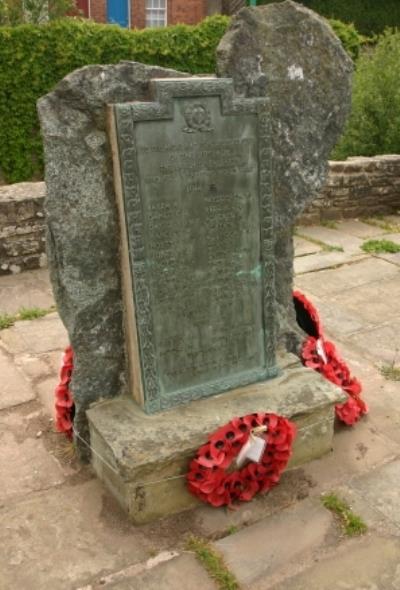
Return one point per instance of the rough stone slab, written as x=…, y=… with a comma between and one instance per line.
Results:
x=367, y=564
x=82, y=218
x=291, y=55
x=28, y=289
x=181, y=573
x=35, y=336
x=332, y=237
x=25, y=464
x=329, y=282
x=303, y=247
x=258, y=551
x=357, y=228
x=131, y=447
x=62, y=538
x=15, y=389
x=324, y=260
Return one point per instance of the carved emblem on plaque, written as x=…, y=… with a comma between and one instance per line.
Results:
x=198, y=118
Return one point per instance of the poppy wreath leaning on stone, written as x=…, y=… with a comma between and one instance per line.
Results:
x=210, y=476
x=64, y=403
x=322, y=356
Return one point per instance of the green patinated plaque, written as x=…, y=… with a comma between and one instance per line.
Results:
x=197, y=207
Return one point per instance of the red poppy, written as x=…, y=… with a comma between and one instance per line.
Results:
x=321, y=355
x=207, y=477
x=64, y=403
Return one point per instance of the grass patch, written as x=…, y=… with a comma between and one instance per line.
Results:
x=329, y=223
x=391, y=372
x=380, y=246
x=352, y=524
x=25, y=313
x=31, y=313
x=6, y=321
x=323, y=246
x=213, y=563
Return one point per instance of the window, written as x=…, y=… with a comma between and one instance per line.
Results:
x=156, y=13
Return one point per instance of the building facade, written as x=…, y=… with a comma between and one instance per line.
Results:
x=148, y=13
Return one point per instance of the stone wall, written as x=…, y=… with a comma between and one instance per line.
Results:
x=357, y=187
x=22, y=227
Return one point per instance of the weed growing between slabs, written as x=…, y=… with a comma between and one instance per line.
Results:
x=351, y=524
x=213, y=563
x=325, y=247
x=391, y=372
x=25, y=313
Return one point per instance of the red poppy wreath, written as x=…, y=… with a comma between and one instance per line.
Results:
x=210, y=476
x=322, y=356
x=64, y=403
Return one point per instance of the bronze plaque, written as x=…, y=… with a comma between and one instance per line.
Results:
x=197, y=214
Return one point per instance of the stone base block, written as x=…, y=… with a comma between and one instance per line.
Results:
x=143, y=459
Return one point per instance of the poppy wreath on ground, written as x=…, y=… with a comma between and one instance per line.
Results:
x=322, y=356
x=64, y=403
x=210, y=477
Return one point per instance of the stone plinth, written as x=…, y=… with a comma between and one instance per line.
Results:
x=143, y=459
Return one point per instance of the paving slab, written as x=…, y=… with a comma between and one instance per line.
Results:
x=260, y=550
x=391, y=237
x=303, y=247
x=25, y=464
x=180, y=573
x=331, y=237
x=27, y=289
x=392, y=258
x=34, y=367
x=333, y=317
x=64, y=537
x=45, y=390
x=381, y=343
x=367, y=564
x=393, y=219
x=375, y=303
x=327, y=282
x=359, y=229
x=15, y=388
x=323, y=260
x=45, y=334
x=381, y=489
x=356, y=450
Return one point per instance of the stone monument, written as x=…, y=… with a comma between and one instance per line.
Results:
x=175, y=286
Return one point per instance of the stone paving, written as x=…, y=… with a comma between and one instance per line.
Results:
x=60, y=529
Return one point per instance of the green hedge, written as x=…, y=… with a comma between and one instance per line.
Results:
x=374, y=124
x=369, y=16
x=34, y=58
